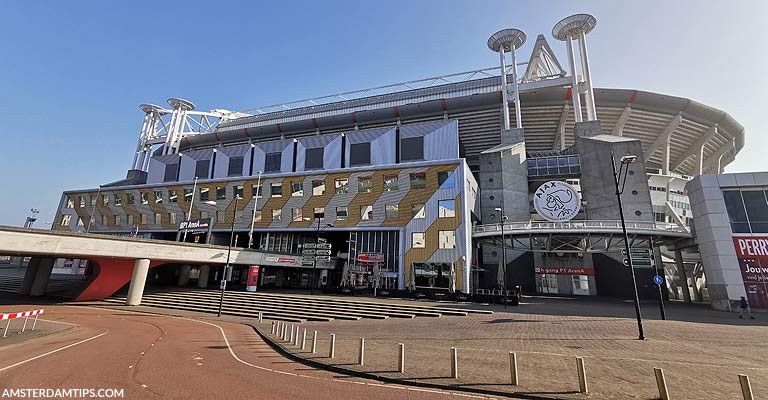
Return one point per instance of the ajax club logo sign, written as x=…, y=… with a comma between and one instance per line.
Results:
x=556, y=201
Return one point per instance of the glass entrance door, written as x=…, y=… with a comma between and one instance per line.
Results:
x=581, y=285
x=546, y=283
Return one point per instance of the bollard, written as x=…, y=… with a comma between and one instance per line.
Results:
x=314, y=342
x=361, y=356
x=290, y=335
x=260, y=315
x=7, y=325
x=661, y=383
x=513, y=367
x=277, y=328
x=304, y=339
x=332, y=347
x=401, y=359
x=273, y=328
x=284, y=329
x=746, y=388
x=296, y=339
x=24, y=328
x=34, y=323
x=454, y=363
x=582, y=375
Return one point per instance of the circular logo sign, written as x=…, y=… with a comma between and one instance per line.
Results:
x=557, y=201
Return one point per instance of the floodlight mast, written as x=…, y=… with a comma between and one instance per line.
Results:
x=569, y=29
x=508, y=40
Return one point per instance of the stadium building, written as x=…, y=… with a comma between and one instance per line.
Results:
x=408, y=184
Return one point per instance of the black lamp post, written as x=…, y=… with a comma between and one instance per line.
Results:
x=223, y=283
x=503, y=256
x=617, y=177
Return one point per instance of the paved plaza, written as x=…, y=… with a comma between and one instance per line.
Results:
x=701, y=351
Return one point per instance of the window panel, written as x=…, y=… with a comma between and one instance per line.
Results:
x=418, y=211
x=204, y=194
x=390, y=183
x=172, y=196
x=446, y=180
x=131, y=198
x=272, y=162
x=66, y=219
x=144, y=219
x=172, y=218
x=314, y=158
x=365, y=184
x=221, y=192
x=736, y=212
x=238, y=191
x=235, y=166
x=341, y=213
x=104, y=220
x=342, y=185
x=412, y=149
x=256, y=191
x=188, y=195
x=81, y=202
x=446, y=239
x=391, y=211
x=277, y=214
x=276, y=189
x=130, y=219
x=318, y=187
x=80, y=222
x=257, y=216
x=171, y=172
x=144, y=198
x=118, y=220
x=418, y=241
x=104, y=200
x=446, y=208
x=418, y=180
x=296, y=215
x=318, y=212
x=158, y=197
x=201, y=169
x=297, y=189
x=71, y=203
x=366, y=212
x=359, y=154
x=158, y=219
x=757, y=210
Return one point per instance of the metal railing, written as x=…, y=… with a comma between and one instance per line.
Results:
x=582, y=225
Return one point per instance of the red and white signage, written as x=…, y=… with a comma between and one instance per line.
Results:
x=281, y=260
x=22, y=314
x=370, y=257
x=253, y=278
x=752, y=253
x=564, y=271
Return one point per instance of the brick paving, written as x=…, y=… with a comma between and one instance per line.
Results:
x=701, y=350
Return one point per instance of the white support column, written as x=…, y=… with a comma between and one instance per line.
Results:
x=202, y=278
x=574, y=80
x=559, y=143
x=518, y=112
x=618, y=129
x=138, y=280
x=665, y=158
x=504, y=96
x=664, y=136
x=589, y=95
x=697, y=150
x=42, y=276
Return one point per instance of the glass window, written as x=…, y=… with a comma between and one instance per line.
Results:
x=736, y=213
x=171, y=172
x=297, y=189
x=277, y=214
x=144, y=219
x=130, y=219
x=204, y=215
x=366, y=212
x=118, y=220
x=80, y=221
x=757, y=210
x=204, y=194
x=172, y=218
x=446, y=180
x=390, y=183
x=104, y=200
x=341, y=213
x=158, y=197
x=418, y=180
x=188, y=195
x=417, y=211
x=391, y=211
x=446, y=208
x=412, y=149
x=365, y=184
x=314, y=159
x=201, y=169
x=104, y=220
x=318, y=187
x=66, y=219
x=81, y=202
x=172, y=196
x=158, y=218
x=71, y=203
x=144, y=198
x=276, y=189
x=256, y=191
x=235, y=166
x=221, y=192
x=359, y=154
x=272, y=162
x=257, y=216
x=318, y=212
x=418, y=241
x=446, y=239
x=93, y=200
x=342, y=185
x=131, y=198
x=296, y=215
x=238, y=191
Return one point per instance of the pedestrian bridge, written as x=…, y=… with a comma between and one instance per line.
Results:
x=115, y=257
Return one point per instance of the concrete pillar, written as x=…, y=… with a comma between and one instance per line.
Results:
x=138, y=279
x=42, y=276
x=29, y=276
x=683, y=276
x=202, y=280
x=184, y=275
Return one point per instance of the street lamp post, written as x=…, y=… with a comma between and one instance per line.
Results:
x=93, y=210
x=191, y=202
x=223, y=283
x=317, y=242
x=503, y=256
x=617, y=177
x=253, y=213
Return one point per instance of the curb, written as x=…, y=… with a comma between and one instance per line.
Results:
x=404, y=382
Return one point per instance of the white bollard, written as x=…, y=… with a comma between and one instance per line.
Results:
x=513, y=367
x=661, y=383
x=296, y=338
x=273, y=327
x=746, y=387
x=24, y=328
x=332, y=347
x=454, y=363
x=285, y=326
x=401, y=359
x=582, y=372
x=361, y=356
x=260, y=315
x=304, y=339
x=314, y=342
x=290, y=335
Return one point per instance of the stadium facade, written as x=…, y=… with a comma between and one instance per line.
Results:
x=409, y=183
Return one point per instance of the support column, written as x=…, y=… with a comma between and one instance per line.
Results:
x=184, y=275
x=29, y=276
x=42, y=276
x=682, y=275
x=202, y=280
x=138, y=280
x=665, y=157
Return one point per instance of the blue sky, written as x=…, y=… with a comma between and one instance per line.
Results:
x=72, y=74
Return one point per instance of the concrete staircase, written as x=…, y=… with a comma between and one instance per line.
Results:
x=291, y=307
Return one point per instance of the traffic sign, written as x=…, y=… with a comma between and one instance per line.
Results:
x=323, y=252
x=223, y=284
x=323, y=258
x=309, y=245
x=324, y=246
x=637, y=252
x=639, y=262
x=322, y=240
x=658, y=280
x=309, y=252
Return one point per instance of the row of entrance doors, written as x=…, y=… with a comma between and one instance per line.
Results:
x=548, y=283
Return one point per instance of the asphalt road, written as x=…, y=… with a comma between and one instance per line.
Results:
x=164, y=357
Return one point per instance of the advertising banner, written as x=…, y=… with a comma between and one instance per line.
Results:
x=253, y=278
x=752, y=253
x=564, y=271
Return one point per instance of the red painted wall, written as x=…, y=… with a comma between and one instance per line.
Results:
x=110, y=275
